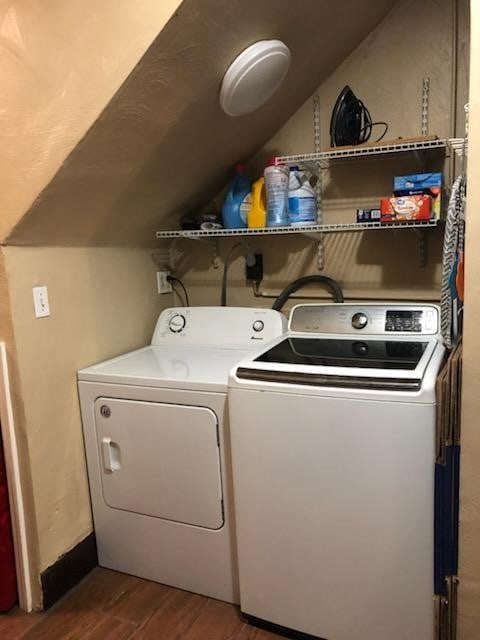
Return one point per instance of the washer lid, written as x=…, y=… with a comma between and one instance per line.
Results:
x=347, y=352
x=254, y=76
x=339, y=362
x=192, y=368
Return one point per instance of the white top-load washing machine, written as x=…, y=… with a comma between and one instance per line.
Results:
x=333, y=449
x=158, y=453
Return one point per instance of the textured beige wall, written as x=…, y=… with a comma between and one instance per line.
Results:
x=103, y=302
x=60, y=63
x=386, y=72
x=469, y=568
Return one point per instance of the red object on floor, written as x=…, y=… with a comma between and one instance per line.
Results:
x=8, y=578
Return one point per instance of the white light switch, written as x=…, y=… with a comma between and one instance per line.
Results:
x=40, y=302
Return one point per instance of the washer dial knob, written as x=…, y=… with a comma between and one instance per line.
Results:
x=177, y=323
x=258, y=325
x=359, y=320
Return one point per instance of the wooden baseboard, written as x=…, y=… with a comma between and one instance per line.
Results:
x=68, y=570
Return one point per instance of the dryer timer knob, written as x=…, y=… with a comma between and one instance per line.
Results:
x=258, y=325
x=177, y=323
x=359, y=321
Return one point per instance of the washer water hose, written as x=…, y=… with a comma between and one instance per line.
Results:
x=302, y=282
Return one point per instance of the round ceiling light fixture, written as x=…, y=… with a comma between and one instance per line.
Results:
x=254, y=76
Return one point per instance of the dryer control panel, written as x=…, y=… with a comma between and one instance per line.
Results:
x=227, y=327
x=366, y=319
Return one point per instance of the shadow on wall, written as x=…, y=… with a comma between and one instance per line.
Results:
x=397, y=253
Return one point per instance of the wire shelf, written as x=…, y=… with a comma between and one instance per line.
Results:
x=306, y=230
x=458, y=146
x=324, y=157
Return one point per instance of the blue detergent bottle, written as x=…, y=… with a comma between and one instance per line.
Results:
x=236, y=203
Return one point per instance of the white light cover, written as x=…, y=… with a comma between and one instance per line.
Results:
x=254, y=76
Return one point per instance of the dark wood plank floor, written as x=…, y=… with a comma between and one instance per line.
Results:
x=113, y=606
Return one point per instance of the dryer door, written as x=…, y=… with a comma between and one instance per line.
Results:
x=160, y=460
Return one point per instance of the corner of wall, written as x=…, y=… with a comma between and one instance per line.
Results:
x=7, y=335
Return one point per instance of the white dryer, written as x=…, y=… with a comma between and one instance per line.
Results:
x=158, y=452
x=333, y=448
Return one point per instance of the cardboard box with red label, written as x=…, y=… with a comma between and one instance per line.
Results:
x=406, y=208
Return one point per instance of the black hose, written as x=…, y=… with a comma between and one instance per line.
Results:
x=301, y=282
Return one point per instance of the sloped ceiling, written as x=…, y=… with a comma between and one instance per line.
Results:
x=162, y=146
x=58, y=70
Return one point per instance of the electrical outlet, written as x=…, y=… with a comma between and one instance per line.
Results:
x=163, y=285
x=40, y=302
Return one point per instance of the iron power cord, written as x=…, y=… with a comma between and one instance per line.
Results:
x=173, y=279
x=366, y=130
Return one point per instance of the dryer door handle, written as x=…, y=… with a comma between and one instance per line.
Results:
x=111, y=455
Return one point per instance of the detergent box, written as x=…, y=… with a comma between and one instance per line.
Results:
x=406, y=208
x=421, y=184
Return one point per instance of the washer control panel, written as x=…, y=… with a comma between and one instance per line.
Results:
x=404, y=320
x=366, y=319
x=218, y=326
x=359, y=320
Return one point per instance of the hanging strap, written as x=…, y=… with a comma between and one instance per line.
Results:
x=453, y=237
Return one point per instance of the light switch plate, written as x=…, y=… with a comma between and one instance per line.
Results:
x=40, y=302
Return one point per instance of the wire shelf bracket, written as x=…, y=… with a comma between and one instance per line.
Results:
x=425, y=106
x=319, y=184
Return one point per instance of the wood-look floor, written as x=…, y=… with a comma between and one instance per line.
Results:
x=113, y=606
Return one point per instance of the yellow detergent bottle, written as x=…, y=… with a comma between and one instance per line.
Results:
x=257, y=216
